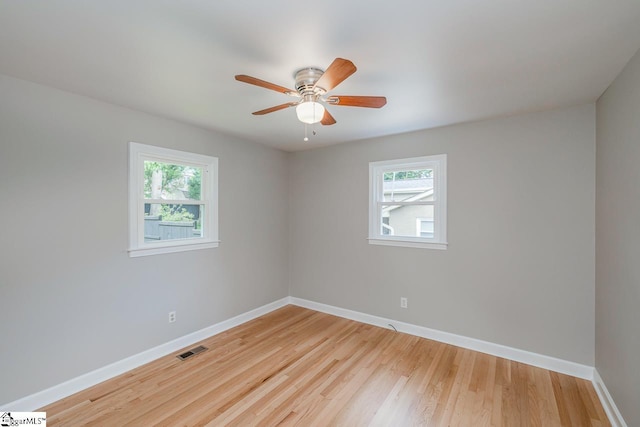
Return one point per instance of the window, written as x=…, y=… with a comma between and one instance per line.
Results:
x=173, y=200
x=408, y=202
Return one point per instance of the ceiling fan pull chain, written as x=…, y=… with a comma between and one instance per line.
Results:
x=306, y=138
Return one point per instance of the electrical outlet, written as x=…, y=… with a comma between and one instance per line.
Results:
x=172, y=316
x=403, y=302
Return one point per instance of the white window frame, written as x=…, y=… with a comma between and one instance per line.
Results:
x=138, y=154
x=438, y=163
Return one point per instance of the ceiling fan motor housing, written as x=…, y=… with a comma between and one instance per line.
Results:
x=306, y=79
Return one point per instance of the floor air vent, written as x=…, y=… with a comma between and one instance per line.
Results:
x=192, y=352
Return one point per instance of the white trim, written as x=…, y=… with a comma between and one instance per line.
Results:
x=138, y=154
x=438, y=163
x=192, y=246
x=67, y=388
x=615, y=417
x=408, y=163
x=523, y=356
x=407, y=243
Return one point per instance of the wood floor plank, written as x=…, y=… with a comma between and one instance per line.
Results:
x=298, y=367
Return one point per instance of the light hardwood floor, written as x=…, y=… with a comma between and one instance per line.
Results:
x=299, y=367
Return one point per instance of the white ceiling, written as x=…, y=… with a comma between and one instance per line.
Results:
x=437, y=62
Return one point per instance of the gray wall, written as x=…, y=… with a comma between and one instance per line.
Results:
x=75, y=302
x=618, y=240
x=519, y=270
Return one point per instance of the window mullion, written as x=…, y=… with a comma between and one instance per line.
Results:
x=174, y=201
x=391, y=203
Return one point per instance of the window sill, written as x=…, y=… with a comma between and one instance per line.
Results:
x=408, y=243
x=138, y=252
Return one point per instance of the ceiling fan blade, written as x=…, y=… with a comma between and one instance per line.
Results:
x=337, y=72
x=357, y=101
x=254, y=81
x=327, y=119
x=276, y=108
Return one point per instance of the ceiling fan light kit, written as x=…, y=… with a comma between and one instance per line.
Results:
x=311, y=85
x=310, y=112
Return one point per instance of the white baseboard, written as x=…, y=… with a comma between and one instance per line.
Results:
x=615, y=417
x=50, y=395
x=539, y=360
x=67, y=388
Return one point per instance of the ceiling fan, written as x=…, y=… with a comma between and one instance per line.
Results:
x=312, y=84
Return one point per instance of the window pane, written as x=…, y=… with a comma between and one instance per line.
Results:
x=172, y=181
x=407, y=220
x=386, y=230
x=425, y=227
x=408, y=185
x=171, y=222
